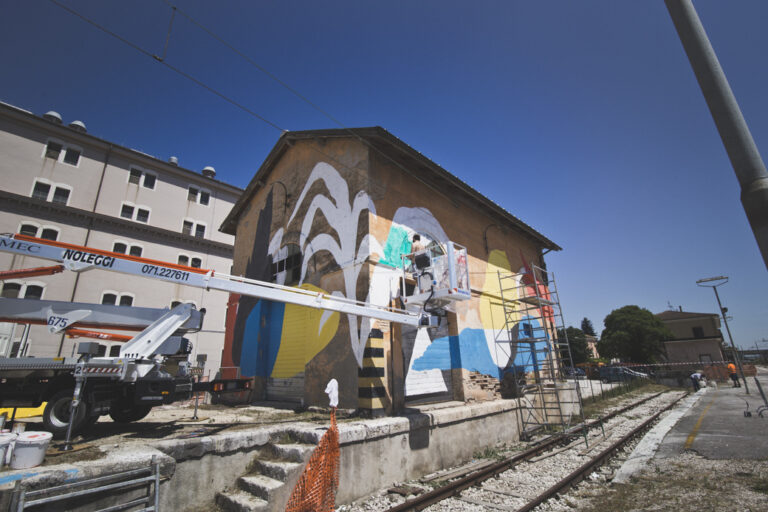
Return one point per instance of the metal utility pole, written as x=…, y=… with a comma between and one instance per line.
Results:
x=742, y=151
x=723, y=311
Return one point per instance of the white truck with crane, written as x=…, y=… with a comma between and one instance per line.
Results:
x=152, y=368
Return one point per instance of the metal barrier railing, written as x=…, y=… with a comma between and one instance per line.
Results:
x=23, y=499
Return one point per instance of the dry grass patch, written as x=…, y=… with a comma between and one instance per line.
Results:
x=686, y=482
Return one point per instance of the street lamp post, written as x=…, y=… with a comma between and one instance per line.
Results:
x=734, y=132
x=723, y=280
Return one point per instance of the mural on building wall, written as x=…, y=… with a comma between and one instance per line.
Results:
x=257, y=268
x=342, y=217
x=385, y=286
x=281, y=339
x=484, y=348
x=278, y=340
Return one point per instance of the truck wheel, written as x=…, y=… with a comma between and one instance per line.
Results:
x=127, y=413
x=57, y=412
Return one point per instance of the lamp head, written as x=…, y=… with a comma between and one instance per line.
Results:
x=707, y=280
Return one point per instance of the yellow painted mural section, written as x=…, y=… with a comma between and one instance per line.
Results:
x=491, y=310
x=302, y=337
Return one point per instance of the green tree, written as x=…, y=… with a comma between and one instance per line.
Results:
x=587, y=327
x=633, y=334
x=578, y=344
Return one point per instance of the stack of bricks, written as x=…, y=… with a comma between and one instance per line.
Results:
x=482, y=387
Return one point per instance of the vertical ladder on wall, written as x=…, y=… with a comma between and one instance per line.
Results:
x=539, y=355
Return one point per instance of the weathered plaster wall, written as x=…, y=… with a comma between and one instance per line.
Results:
x=693, y=350
x=377, y=453
x=313, y=199
x=374, y=455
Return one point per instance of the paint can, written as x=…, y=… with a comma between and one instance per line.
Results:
x=30, y=449
x=5, y=447
x=18, y=427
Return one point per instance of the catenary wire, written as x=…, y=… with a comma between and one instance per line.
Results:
x=253, y=63
x=194, y=80
x=292, y=90
x=235, y=102
x=164, y=63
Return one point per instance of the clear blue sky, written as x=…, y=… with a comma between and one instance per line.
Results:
x=584, y=119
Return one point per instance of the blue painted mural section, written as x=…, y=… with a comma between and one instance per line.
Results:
x=262, y=333
x=469, y=350
x=528, y=358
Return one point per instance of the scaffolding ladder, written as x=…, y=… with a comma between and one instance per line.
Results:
x=538, y=353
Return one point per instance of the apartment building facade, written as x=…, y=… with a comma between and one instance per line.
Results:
x=697, y=336
x=62, y=183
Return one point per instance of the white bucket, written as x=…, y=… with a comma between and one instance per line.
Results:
x=30, y=449
x=5, y=446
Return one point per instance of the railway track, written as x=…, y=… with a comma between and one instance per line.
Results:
x=528, y=479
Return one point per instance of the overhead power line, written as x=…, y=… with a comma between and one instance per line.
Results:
x=231, y=101
x=275, y=78
x=200, y=83
x=164, y=63
x=296, y=93
x=207, y=87
x=253, y=63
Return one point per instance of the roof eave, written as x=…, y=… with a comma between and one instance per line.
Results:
x=229, y=225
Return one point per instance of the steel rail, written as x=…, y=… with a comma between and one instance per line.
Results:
x=456, y=487
x=596, y=422
x=585, y=469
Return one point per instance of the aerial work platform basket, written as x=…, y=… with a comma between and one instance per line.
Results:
x=437, y=275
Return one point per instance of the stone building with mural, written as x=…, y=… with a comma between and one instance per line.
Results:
x=335, y=211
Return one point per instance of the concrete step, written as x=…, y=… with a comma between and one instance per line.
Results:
x=260, y=486
x=239, y=501
x=304, y=437
x=278, y=470
x=293, y=452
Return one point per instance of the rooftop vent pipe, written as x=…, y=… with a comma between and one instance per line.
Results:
x=174, y=160
x=52, y=116
x=78, y=126
x=209, y=172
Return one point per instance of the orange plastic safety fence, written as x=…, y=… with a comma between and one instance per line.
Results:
x=316, y=489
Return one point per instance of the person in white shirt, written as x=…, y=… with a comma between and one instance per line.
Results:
x=417, y=245
x=695, y=378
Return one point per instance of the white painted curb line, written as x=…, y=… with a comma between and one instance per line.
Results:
x=646, y=448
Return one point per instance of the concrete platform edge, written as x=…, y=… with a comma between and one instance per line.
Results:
x=646, y=448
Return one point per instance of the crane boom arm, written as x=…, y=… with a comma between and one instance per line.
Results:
x=79, y=258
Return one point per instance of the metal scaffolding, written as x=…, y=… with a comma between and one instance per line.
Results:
x=534, y=342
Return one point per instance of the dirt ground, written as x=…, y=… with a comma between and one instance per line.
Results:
x=687, y=482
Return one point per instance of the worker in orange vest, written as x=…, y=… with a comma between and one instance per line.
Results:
x=733, y=376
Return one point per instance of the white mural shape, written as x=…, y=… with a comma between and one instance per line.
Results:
x=422, y=382
x=343, y=218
